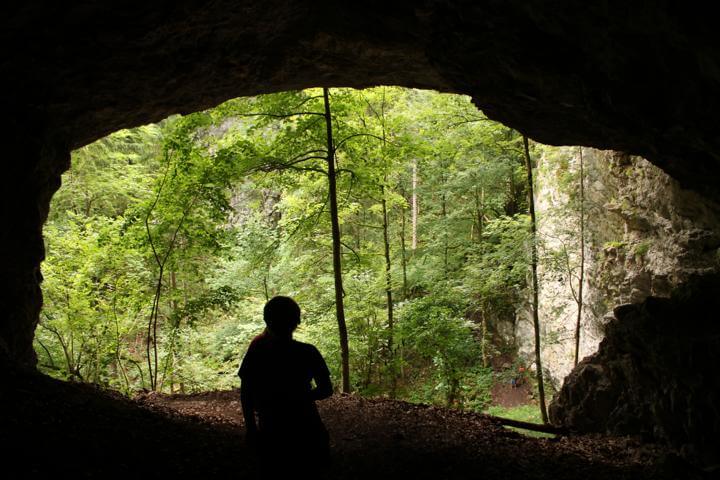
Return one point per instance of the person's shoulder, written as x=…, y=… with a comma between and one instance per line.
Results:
x=307, y=352
x=258, y=340
x=250, y=360
x=259, y=343
x=305, y=347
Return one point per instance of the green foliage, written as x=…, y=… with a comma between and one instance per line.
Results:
x=92, y=302
x=641, y=249
x=109, y=175
x=172, y=237
x=438, y=338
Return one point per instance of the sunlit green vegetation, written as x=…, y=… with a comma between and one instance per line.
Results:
x=166, y=240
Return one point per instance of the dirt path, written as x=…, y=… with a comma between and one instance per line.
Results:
x=56, y=428
x=505, y=395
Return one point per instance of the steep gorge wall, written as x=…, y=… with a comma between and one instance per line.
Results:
x=645, y=236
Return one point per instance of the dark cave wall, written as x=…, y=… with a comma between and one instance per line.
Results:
x=639, y=77
x=655, y=374
x=29, y=181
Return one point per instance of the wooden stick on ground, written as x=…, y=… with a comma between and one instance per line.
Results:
x=535, y=427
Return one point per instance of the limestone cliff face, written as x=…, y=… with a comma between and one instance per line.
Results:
x=645, y=236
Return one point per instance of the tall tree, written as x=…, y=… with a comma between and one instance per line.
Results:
x=337, y=262
x=579, y=296
x=291, y=140
x=534, y=264
x=386, y=250
x=415, y=208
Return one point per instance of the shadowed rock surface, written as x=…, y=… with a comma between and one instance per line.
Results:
x=655, y=374
x=640, y=78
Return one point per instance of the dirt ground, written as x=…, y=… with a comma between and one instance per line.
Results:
x=505, y=395
x=55, y=428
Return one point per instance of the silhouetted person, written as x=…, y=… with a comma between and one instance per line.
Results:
x=276, y=375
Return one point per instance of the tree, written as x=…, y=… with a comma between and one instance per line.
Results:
x=313, y=194
x=581, y=278
x=337, y=262
x=280, y=153
x=533, y=263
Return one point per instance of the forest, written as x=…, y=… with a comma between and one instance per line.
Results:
x=398, y=219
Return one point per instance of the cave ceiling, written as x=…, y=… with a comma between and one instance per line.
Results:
x=641, y=77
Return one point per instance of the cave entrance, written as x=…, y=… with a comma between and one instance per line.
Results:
x=577, y=75
x=166, y=240
x=568, y=76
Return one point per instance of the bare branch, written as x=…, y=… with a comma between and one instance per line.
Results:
x=337, y=145
x=152, y=207
x=279, y=115
x=351, y=249
x=307, y=100
x=467, y=120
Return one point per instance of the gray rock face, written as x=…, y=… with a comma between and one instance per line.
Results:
x=644, y=236
x=655, y=374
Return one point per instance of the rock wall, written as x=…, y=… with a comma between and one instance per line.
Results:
x=645, y=235
x=29, y=182
x=655, y=374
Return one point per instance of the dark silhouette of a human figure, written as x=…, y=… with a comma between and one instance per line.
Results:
x=276, y=375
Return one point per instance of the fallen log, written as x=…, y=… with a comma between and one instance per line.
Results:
x=535, y=427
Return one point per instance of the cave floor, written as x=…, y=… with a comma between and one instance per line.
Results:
x=48, y=427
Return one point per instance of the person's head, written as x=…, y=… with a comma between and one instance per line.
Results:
x=282, y=315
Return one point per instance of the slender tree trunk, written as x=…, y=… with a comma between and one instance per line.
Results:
x=483, y=342
x=414, y=205
x=388, y=294
x=152, y=358
x=403, y=254
x=401, y=359
x=388, y=262
x=445, y=227
x=534, y=262
x=337, y=265
x=151, y=345
x=582, y=259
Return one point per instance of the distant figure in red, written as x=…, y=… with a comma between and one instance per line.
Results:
x=277, y=374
